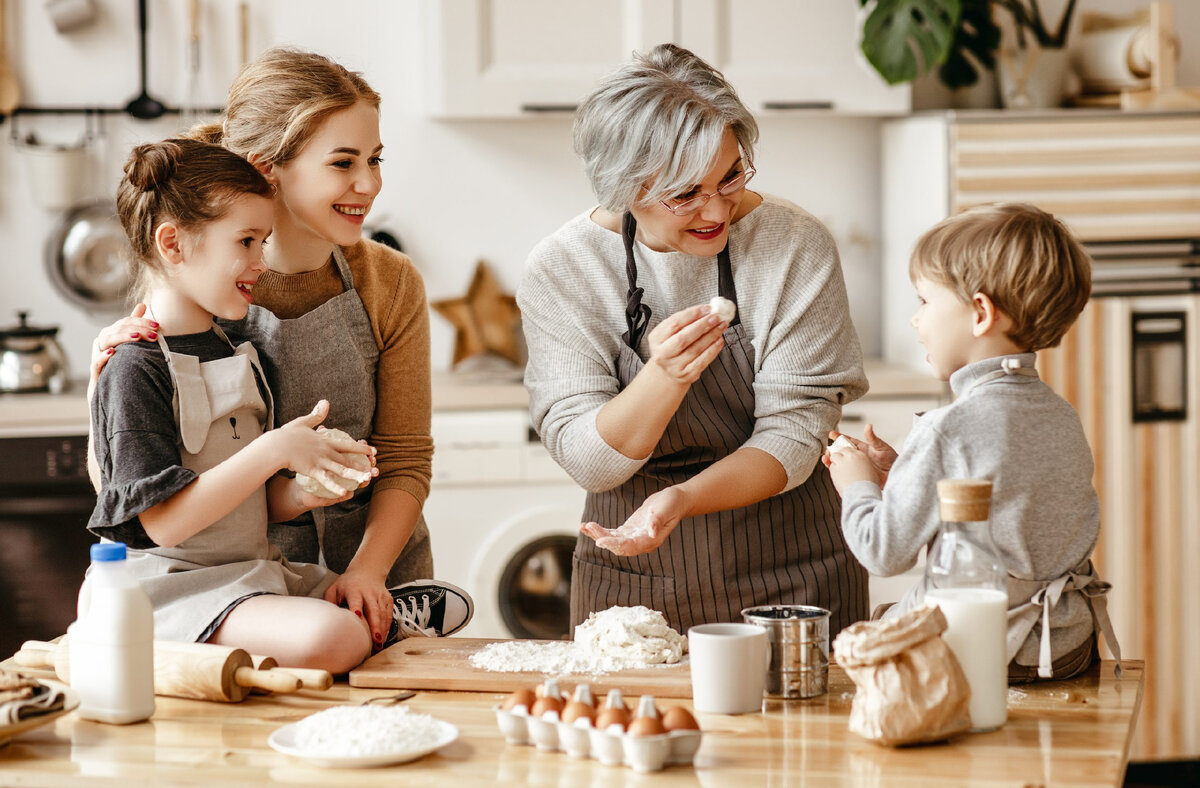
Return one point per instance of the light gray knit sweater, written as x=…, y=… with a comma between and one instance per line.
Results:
x=1045, y=516
x=791, y=299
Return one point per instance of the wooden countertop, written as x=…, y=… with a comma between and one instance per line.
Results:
x=1074, y=733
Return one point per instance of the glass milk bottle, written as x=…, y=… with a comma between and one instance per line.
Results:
x=966, y=578
x=112, y=643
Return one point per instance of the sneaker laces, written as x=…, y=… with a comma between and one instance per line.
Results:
x=414, y=621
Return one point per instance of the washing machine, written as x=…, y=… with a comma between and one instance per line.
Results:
x=503, y=519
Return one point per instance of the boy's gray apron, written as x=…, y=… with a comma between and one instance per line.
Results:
x=787, y=549
x=219, y=410
x=329, y=353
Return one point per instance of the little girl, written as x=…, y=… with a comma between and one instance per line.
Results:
x=189, y=476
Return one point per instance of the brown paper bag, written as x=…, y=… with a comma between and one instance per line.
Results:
x=911, y=688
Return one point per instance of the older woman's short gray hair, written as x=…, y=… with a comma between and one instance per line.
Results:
x=658, y=121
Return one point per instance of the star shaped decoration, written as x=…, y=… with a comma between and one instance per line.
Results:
x=486, y=319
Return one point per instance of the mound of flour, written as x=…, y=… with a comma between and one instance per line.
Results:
x=366, y=730
x=620, y=638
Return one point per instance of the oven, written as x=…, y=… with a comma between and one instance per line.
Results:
x=45, y=502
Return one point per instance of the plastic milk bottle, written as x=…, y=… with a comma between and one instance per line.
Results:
x=966, y=578
x=112, y=642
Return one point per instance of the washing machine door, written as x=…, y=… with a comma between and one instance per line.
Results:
x=524, y=572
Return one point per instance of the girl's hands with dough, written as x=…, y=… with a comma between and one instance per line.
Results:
x=646, y=529
x=299, y=447
x=684, y=344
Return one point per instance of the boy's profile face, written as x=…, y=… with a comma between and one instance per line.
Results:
x=944, y=324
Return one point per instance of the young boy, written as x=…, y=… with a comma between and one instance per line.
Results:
x=995, y=284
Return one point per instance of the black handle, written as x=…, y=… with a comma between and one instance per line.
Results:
x=142, y=28
x=546, y=109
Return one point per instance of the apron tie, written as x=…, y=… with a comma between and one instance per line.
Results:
x=1044, y=599
x=637, y=314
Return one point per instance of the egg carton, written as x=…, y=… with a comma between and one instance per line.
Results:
x=612, y=746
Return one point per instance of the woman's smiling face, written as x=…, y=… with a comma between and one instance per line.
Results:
x=326, y=191
x=705, y=232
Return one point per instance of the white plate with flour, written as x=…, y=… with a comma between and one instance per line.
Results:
x=288, y=740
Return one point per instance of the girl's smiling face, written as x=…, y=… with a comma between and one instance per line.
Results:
x=222, y=263
x=705, y=232
x=326, y=191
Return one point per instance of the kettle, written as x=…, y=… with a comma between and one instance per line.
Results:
x=31, y=359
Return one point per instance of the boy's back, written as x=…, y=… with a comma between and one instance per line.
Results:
x=1015, y=431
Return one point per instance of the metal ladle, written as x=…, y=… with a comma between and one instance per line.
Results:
x=144, y=107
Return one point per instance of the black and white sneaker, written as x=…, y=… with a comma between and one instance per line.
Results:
x=428, y=608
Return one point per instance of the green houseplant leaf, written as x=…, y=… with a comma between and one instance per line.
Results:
x=903, y=38
x=978, y=35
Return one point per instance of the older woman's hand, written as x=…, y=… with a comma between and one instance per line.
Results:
x=684, y=344
x=646, y=529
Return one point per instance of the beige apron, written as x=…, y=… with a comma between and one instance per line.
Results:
x=219, y=410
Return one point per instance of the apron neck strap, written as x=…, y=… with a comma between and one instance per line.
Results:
x=637, y=314
x=343, y=267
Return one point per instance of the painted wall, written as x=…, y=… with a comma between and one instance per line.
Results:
x=454, y=191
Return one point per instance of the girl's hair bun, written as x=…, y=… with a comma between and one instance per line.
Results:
x=152, y=166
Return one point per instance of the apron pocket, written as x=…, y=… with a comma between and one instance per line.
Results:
x=596, y=587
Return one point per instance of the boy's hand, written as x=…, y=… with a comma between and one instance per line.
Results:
x=877, y=450
x=850, y=465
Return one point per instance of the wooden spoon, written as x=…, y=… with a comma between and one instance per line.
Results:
x=10, y=93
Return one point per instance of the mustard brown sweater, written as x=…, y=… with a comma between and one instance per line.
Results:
x=393, y=293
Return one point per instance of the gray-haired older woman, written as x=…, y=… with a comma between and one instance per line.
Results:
x=698, y=440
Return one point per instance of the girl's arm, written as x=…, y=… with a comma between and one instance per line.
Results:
x=219, y=490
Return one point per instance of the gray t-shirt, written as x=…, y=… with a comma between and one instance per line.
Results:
x=791, y=300
x=1045, y=518
x=137, y=442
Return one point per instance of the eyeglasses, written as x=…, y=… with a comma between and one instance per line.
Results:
x=726, y=189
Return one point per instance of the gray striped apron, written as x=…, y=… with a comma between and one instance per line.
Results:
x=787, y=549
x=329, y=353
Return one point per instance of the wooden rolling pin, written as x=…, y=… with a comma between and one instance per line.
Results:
x=203, y=671
x=309, y=677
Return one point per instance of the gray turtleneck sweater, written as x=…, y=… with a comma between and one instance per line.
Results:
x=1029, y=442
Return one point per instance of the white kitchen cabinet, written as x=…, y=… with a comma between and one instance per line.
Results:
x=510, y=58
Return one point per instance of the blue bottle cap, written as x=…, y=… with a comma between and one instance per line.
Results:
x=108, y=551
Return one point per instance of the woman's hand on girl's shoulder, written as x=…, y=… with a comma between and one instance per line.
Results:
x=127, y=329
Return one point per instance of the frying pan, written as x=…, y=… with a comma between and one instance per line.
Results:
x=87, y=257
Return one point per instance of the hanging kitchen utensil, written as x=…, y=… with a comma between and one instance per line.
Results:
x=190, y=112
x=87, y=256
x=144, y=107
x=10, y=92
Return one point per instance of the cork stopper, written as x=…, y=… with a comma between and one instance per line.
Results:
x=964, y=500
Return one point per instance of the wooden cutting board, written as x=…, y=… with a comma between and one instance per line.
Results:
x=444, y=664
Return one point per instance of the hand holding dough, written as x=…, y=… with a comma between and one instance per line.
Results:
x=359, y=462
x=839, y=443
x=723, y=308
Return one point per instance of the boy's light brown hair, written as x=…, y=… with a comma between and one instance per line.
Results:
x=1021, y=257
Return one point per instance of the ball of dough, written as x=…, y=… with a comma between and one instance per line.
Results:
x=839, y=443
x=723, y=308
x=359, y=462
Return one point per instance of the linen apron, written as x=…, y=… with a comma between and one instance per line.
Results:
x=329, y=353
x=786, y=549
x=219, y=410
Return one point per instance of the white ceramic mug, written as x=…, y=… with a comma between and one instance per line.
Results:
x=729, y=667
